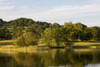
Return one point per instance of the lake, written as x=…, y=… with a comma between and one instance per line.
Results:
x=52, y=58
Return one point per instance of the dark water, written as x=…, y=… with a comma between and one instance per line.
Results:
x=52, y=58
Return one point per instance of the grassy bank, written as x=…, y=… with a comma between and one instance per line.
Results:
x=6, y=42
x=10, y=48
x=86, y=44
x=7, y=46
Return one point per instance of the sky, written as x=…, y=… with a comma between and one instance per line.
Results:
x=59, y=11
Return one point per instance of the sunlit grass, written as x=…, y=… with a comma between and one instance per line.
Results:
x=7, y=46
x=85, y=43
x=85, y=50
x=18, y=49
x=6, y=42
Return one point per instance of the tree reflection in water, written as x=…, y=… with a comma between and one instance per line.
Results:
x=57, y=57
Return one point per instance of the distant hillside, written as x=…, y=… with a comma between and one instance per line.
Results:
x=3, y=23
x=22, y=22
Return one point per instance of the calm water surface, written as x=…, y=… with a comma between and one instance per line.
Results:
x=52, y=58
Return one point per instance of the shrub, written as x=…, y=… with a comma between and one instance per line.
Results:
x=31, y=39
x=20, y=41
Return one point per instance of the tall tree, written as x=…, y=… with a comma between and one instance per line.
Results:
x=5, y=34
x=55, y=25
x=95, y=32
x=17, y=31
x=79, y=28
x=53, y=37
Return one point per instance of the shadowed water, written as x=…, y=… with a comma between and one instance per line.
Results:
x=53, y=58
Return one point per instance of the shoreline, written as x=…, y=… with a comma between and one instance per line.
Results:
x=36, y=48
x=7, y=46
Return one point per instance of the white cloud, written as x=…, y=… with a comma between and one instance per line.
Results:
x=3, y=0
x=67, y=12
x=6, y=8
x=23, y=7
x=9, y=11
x=93, y=1
x=96, y=0
x=5, y=5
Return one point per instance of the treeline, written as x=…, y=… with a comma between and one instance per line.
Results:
x=20, y=26
x=60, y=36
x=29, y=32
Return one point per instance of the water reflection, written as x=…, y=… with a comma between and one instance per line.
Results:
x=51, y=58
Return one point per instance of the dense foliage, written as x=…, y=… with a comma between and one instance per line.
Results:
x=53, y=37
x=60, y=35
x=5, y=34
x=33, y=32
x=20, y=41
x=4, y=24
x=31, y=38
x=27, y=39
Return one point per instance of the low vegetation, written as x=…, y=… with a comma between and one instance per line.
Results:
x=7, y=46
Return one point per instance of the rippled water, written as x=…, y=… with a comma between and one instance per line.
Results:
x=52, y=58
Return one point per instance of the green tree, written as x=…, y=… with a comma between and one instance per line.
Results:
x=53, y=37
x=27, y=39
x=95, y=32
x=55, y=25
x=74, y=36
x=79, y=28
x=21, y=22
x=31, y=38
x=1, y=23
x=35, y=28
x=5, y=34
x=86, y=35
x=69, y=29
x=17, y=31
x=20, y=41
